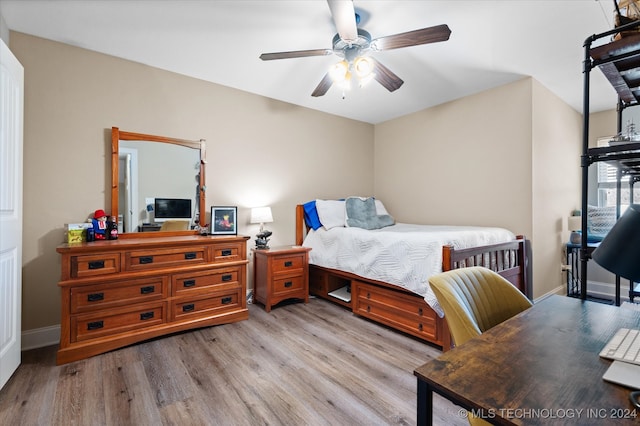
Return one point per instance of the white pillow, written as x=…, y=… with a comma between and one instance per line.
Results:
x=331, y=213
x=380, y=210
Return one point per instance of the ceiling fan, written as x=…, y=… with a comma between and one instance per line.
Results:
x=354, y=45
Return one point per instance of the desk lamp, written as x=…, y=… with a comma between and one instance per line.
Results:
x=619, y=252
x=262, y=215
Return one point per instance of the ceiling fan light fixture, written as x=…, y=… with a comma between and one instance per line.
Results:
x=363, y=66
x=346, y=83
x=339, y=71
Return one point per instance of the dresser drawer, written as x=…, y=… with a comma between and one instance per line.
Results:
x=228, y=251
x=114, y=321
x=288, y=263
x=402, y=311
x=164, y=258
x=216, y=304
x=108, y=295
x=288, y=285
x=94, y=265
x=200, y=282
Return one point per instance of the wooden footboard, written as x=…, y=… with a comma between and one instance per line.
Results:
x=511, y=260
x=406, y=311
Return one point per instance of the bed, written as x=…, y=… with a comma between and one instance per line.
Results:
x=394, y=291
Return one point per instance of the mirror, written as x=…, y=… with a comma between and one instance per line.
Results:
x=149, y=167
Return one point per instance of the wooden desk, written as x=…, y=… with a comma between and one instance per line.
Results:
x=539, y=367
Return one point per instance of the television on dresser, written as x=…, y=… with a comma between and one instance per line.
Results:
x=172, y=209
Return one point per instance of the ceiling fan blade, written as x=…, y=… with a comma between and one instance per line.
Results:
x=295, y=54
x=323, y=86
x=344, y=16
x=412, y=38
x=386, y=77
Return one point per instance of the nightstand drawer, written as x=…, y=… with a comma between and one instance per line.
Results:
x=95, y=265
x=288, y=285
x=109, y=295
x=164, y=258
x=200, y=282
x=110, y=322
x=288, y=263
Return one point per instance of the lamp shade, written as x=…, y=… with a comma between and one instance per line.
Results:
x=261, y=215
x=574, y=223
x=619, y=251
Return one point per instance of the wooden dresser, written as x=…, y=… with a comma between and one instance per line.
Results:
x=115, y=293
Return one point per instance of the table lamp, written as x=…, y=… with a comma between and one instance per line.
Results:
x=619, y=251
x=262, y=215
x=574, y=223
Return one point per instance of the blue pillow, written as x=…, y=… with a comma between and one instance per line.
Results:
x=311, y=215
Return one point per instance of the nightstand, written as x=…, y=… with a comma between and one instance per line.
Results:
x=281, y=273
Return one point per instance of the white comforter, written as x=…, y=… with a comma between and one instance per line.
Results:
x=403, y=254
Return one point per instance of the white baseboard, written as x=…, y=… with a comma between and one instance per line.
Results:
x=608, y=290
x=40, y=337
x=560, y=290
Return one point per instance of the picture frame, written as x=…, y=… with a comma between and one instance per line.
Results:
x=224, y=220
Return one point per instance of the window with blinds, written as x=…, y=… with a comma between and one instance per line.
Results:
x=607, y=177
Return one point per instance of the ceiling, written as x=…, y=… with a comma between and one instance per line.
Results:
x=492, y=43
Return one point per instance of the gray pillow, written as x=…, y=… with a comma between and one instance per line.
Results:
x=361, y=213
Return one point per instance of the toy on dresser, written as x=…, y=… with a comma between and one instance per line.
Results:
x=104, y=229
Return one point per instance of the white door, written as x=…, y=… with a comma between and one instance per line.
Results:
x=11, y=110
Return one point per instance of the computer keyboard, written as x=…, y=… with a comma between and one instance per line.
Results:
x=623, y=346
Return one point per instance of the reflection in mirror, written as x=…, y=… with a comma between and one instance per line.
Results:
x=155, y=181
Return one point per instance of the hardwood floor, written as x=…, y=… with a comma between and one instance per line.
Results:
x=313, y=364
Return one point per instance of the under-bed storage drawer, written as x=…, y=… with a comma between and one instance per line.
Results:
x=402, y=311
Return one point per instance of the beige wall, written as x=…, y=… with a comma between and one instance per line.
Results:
x=462, y=162
x=556, y=183
x=260, y=151
x=506, y=157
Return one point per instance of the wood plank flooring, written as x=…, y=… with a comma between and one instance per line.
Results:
x=313, y=364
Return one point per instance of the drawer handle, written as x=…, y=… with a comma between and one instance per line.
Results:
x=95, y=297
x=420, y=311
x=189, y=256
x=288, y=284
x=226, y=252
x=288, y=263
x=227, y=277
x=146, y=315
x=420, y=326
x=94, y=325
x=144, y=260
x=188, y=308
x=368, y=295
x=368, y=308
x=227, y=300
x=147, y=289
x=96, y=264
x=189, y=283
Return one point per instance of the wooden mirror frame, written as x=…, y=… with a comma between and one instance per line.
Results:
x=116, y=137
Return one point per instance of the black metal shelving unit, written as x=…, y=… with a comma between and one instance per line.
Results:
x=619, y=60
